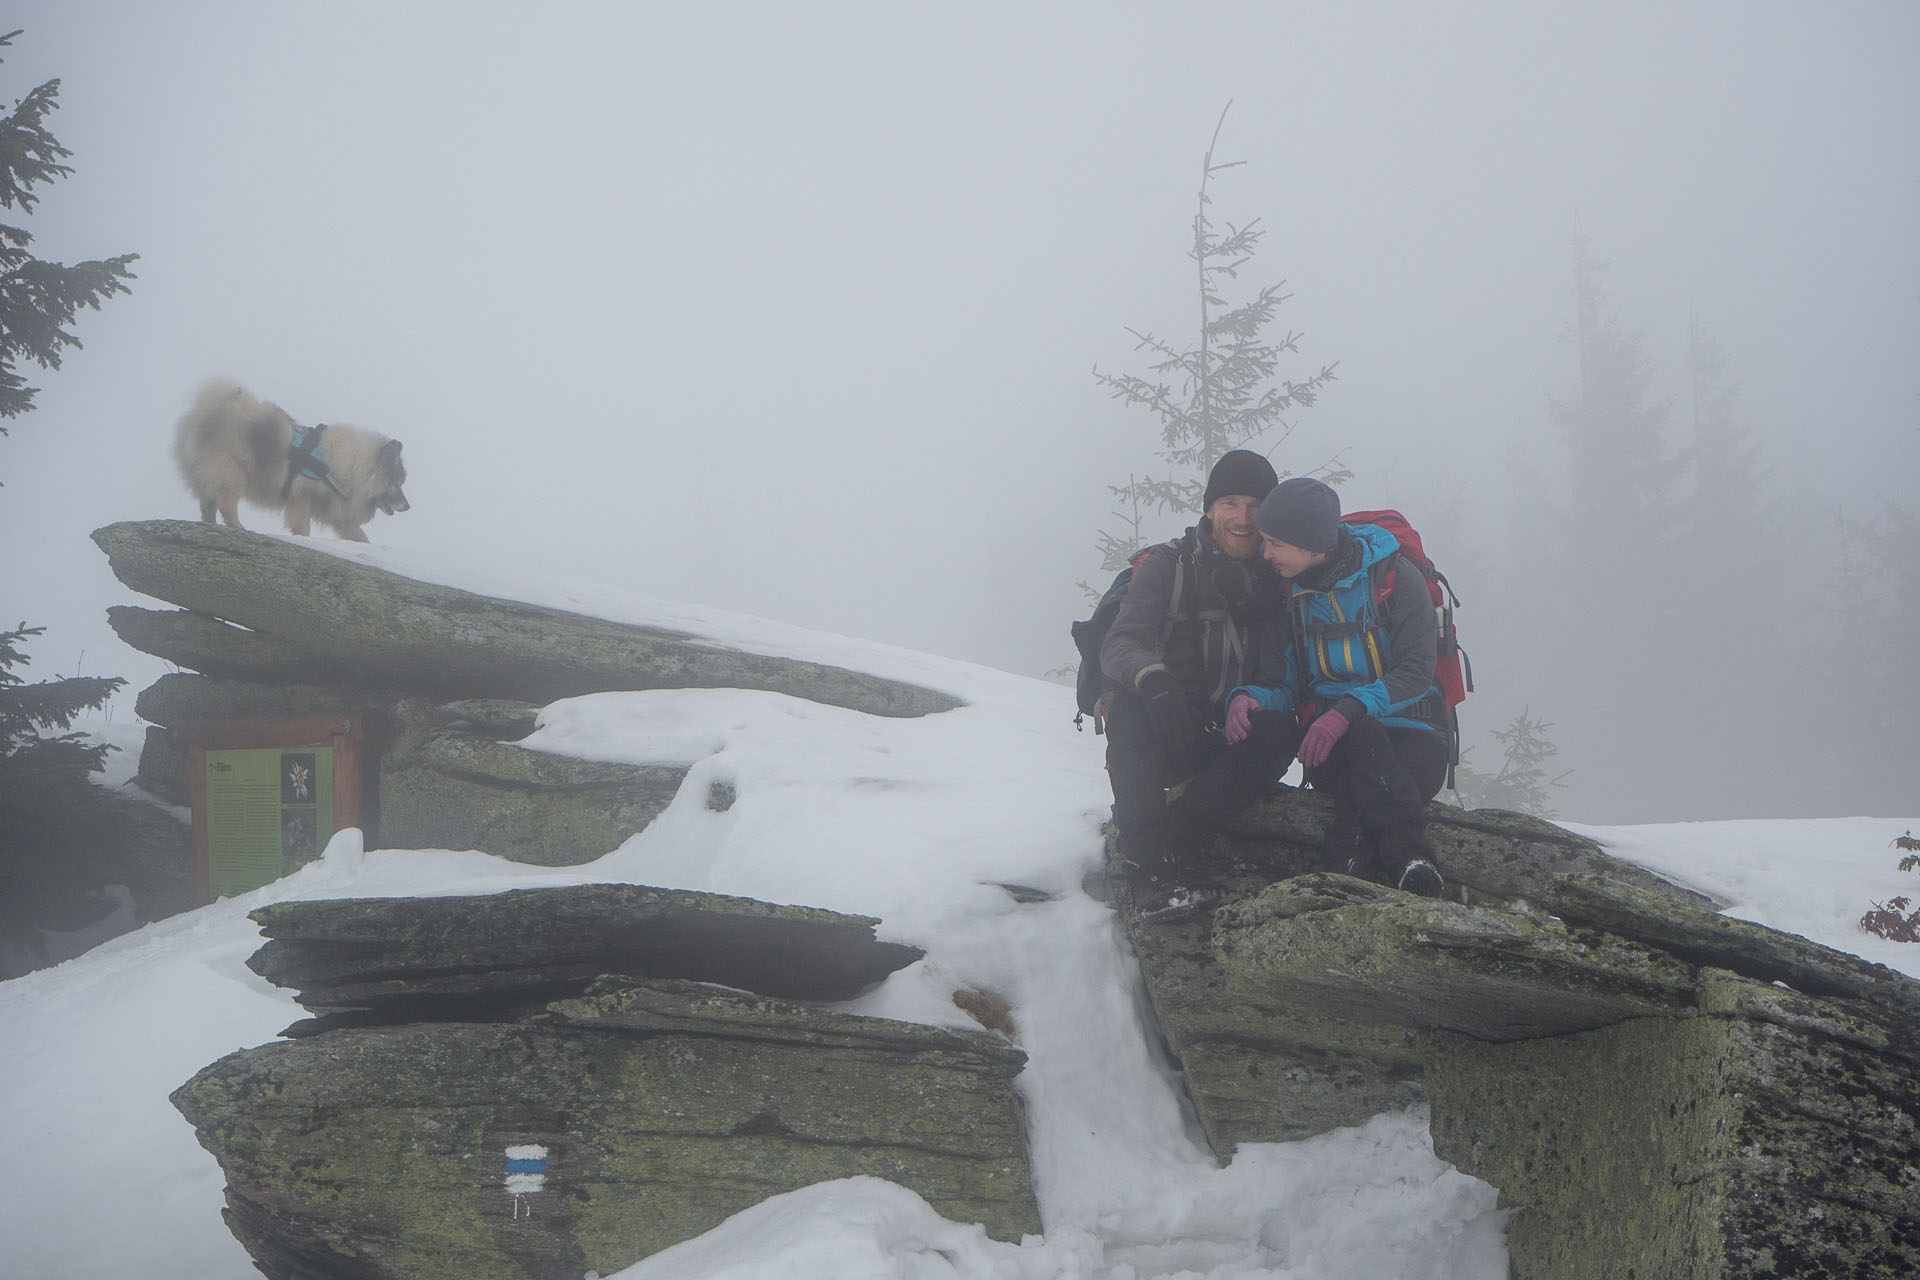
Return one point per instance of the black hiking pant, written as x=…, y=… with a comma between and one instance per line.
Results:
x=1380, y=780
x=1221, y=780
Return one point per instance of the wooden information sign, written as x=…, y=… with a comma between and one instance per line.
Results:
x=268, y=794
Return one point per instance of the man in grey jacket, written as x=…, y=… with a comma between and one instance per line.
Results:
x=1194, y=617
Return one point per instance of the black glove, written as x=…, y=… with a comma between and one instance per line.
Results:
x=1175, y=720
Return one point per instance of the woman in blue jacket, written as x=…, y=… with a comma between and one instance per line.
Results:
x=1355, y=676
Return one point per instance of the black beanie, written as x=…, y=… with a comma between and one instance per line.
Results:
x=1239, y=471
x=1302, y=512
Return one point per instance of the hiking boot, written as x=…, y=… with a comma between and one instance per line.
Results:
x=1168, y=889
x=1351, y=852
x=1161, y=902
x=1142, y=872
x=1423, y=878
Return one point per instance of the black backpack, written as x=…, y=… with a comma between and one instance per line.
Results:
x=1089, y=686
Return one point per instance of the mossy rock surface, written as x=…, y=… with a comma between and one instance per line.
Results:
x=182, y=698
x=1266, y=1072
x=1374, y=955
x=212, y=647
x=656, y=1112
x=396, y=959
x=1490, y=856
x=1747, y=1141
x=442, y=778
x=343, y=616
x=1710, y=939
x=1280, y=1060
x=162, y=770
x=444, y=785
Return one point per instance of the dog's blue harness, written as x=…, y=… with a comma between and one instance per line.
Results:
x=304, y=458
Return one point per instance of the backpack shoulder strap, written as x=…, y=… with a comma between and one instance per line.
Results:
x=1383, y=579
x=1181, y=597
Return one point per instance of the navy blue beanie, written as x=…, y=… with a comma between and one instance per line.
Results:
x=1239, y=471
x=1302, y=512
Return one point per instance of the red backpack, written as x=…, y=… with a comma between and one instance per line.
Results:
x=1452, y=671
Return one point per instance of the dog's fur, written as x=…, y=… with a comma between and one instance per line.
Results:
x=231, y=446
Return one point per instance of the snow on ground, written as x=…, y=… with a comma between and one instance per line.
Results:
x=917, y=822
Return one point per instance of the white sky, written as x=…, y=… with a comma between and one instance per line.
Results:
x=793, y=309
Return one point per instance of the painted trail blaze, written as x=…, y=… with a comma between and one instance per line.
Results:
x=526, y=1175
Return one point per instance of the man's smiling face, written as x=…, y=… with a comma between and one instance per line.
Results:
x=1234, y=517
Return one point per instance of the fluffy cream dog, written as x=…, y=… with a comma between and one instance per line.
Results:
x=231, y=446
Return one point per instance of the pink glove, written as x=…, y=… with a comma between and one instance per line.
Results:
x=1240, y=709
x=1321, y=735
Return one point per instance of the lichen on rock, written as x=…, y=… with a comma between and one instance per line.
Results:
x=1658, y=1089
x=547, y=1082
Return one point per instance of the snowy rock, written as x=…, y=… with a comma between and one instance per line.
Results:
x=587, y=1138
x=150, y=851
x=111, y=912
x=1495, y=856
x=139, y=855
x=217, y=648
x=413, y=959
x=340, y=615
x=1355, y=950
x=1768, y=1133
x=1662, y=1089
x=443, y=775
x=1282, y=1073
x=446, y=782
x=276, y=629
x=564, y=1080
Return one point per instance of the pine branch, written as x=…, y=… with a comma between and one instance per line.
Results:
x=39, y=300
x=1219, y=392
x=29, y=154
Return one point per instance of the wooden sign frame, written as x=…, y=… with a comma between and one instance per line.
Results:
x=345, y=732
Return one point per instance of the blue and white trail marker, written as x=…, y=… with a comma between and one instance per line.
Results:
x=526, y=1175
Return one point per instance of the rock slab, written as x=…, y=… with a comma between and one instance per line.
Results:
x=275, y=628
x=1658, y=1090
x=473, y=1103
x=1291, y=1068
x=413, y=959
x=1768, y=1134
x=445, y=774
x=269, y=607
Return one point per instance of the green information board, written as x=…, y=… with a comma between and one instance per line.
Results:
x=269, y=811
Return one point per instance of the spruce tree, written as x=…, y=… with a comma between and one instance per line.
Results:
x=53, y=820
x=1624, y=515
x=1218, y=392
x=1734, y=520
x=39, y=299
x=1742, y=582
x=1522, y=785
x=1728, y=469
x=1590, y=563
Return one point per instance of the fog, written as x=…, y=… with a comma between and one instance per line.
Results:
x=794, y=310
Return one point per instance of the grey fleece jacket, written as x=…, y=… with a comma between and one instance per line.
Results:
x=1207, y=652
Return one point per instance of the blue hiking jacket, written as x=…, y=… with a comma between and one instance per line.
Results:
x=1348, y=650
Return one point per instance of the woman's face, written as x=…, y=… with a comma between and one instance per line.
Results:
x=1288, y=560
